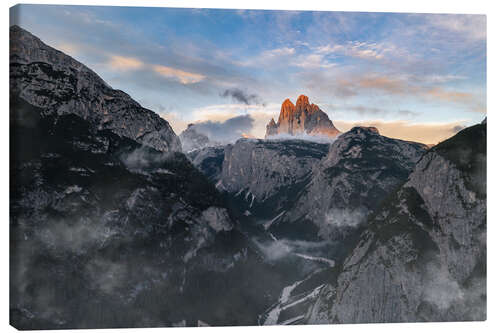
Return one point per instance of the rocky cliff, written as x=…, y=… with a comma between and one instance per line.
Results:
x=424, y=253
x=109, y=228
x=58, y=84
x=260, y=168
x=301, y=118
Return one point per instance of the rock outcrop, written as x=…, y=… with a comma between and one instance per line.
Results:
x=58, y=84
x=301, y=118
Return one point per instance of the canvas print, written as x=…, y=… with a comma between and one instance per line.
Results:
x=209, y=167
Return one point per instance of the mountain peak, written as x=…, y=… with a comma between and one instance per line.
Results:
x=302, y=101
x=287, y=105
x=301, y=118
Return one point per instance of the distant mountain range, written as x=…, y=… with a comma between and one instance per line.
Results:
x=111, y=225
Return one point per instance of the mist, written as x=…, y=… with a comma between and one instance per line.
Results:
x=302, y=136
x=227, y=131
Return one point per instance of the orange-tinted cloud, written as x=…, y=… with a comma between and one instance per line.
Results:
x=177, y=74
x=428, y=133
x=125, y=63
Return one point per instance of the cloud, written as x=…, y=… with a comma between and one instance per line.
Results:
x=177, y=74
x=241, y=96
x=274, y=250
x=408, y=113
x=434, y=78
x=303, y=136
x=313, y=61
x=363, y=110
x=261, y=114
x=441, y=289
x=226, y=131
x=348, y=85
x=125, y=63
x=472, y=27
x=268, y=57
x=363, y=50
x=429, y=133
x=340, y=221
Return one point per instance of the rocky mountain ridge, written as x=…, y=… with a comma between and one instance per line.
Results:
x=424, y=253
x=326, y=186
x=58, y=84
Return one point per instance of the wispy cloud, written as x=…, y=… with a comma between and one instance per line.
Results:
x=313, y=61
x=363, y=50
x=470, y=26
x=268, y=57
x=122, y=63
x=355, y=84
x=125, y=63
x=180, y=75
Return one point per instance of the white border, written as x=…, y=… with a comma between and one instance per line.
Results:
x=419, y=6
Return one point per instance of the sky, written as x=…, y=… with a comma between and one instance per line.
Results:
x=419, y=77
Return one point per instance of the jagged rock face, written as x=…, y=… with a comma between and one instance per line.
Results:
x=424, y=253
x=99, y=221
x=361, y=168
x=261, y=168
x=309, y=190
x=192, y=140
x=271, y=128
x=107, y=231
x=58, y=84
x=302, y=118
